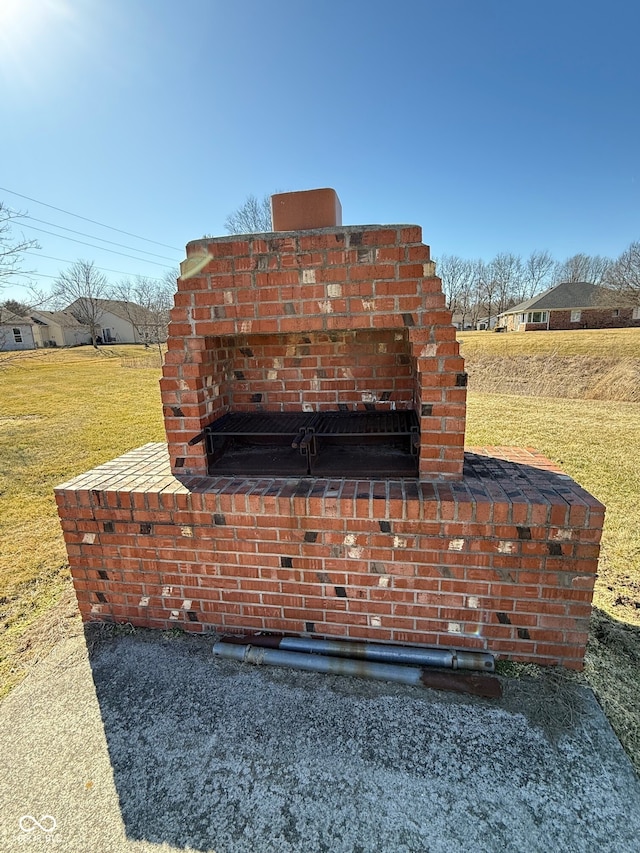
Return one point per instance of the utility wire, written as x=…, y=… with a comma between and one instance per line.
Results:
x=33, y=275
x=67, y=261
x=101, y=248
x=86, y=219
x=92, y=236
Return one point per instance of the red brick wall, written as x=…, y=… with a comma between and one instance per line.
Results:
x=593, y=318
x=316, y=310
x=504, y=561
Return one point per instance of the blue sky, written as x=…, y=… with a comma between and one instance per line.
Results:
x=496, y=126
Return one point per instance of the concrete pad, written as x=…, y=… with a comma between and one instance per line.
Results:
x=167, y=749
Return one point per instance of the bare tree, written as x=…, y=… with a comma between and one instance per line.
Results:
x=485, y=292
x=251, y=217
x=147, y=302
x=81, y=289
x=457, y=276
x=536, y=274
x=11, y=248
x=622, y=279
x=581, y=267
x=507, y=272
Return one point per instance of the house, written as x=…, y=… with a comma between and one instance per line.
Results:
x=118, y=321
x=16, y=333
x=58, y=329
x=484, y=323
x=569, y=305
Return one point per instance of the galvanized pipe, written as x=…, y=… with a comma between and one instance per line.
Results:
x=448, y=658
x=319, y=663
x=479, y=685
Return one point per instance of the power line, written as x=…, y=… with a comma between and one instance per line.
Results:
x=33, y=275
x=67, y=261
x=100, y=248
x=92, y=236
x=86, y=219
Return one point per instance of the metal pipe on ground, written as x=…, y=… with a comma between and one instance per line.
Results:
x=449, y=658
x=479, y=685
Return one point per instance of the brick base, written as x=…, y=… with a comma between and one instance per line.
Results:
x=503, y=561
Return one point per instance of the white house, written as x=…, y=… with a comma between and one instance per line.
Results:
x=16, y=333
x=58, y=329
x=118, y=322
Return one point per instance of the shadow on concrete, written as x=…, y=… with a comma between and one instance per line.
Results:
x=212, y=755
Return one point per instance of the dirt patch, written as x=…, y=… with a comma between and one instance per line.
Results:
x=13, y=419
x=611, y=666
x=60, y=622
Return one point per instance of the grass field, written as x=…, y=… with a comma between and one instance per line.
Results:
x=614, y=343
x=64, y=412
x=60, y=414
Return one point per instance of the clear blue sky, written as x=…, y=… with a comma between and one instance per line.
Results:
x=496, y=125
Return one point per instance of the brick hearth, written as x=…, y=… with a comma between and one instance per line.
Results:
x=503, y=561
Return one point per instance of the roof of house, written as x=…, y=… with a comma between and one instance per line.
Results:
x=121, y=308
x=60, y=318
x=567, y=294
x=9, y=318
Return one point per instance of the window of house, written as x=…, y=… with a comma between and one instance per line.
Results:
x=537, y=317
x=636, y=313
x=616, y=312
x=17, y=336
x=576, y=315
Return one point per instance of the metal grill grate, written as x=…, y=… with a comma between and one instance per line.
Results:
x=330, y=443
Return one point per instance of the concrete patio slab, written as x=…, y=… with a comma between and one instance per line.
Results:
x=154, y=745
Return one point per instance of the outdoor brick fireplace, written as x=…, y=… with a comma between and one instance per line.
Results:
x=315, y=480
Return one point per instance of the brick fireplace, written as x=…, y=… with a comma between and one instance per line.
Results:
x=493, y=549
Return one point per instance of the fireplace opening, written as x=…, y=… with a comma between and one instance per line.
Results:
x=314, y=404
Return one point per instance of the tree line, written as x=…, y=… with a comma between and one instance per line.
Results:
x=476, y=289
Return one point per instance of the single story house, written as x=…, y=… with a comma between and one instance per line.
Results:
x=120, y=322
x=16, y=333
x=485, y=323
x=58, y=329
x=569, y=305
